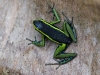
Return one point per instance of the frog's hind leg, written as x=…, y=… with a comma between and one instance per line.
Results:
x=63, y=57
x=69, y=29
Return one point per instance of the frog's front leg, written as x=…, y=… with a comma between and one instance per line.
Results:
x=37, y=43
x=55, y=15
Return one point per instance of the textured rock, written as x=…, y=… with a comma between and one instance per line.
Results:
x=18, y=58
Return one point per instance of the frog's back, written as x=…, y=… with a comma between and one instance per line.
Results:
x=51, y=32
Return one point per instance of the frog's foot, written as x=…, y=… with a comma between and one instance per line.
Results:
x=34, y=42
x=66, y=17
x=53, y=64
x=70, y=22
x=61, y=61
x=50, y=7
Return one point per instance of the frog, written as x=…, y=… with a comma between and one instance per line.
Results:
x=63, y=37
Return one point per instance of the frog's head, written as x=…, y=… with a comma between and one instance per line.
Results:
x=37, y=24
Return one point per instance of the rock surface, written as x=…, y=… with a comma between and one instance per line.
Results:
x=19, y=58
